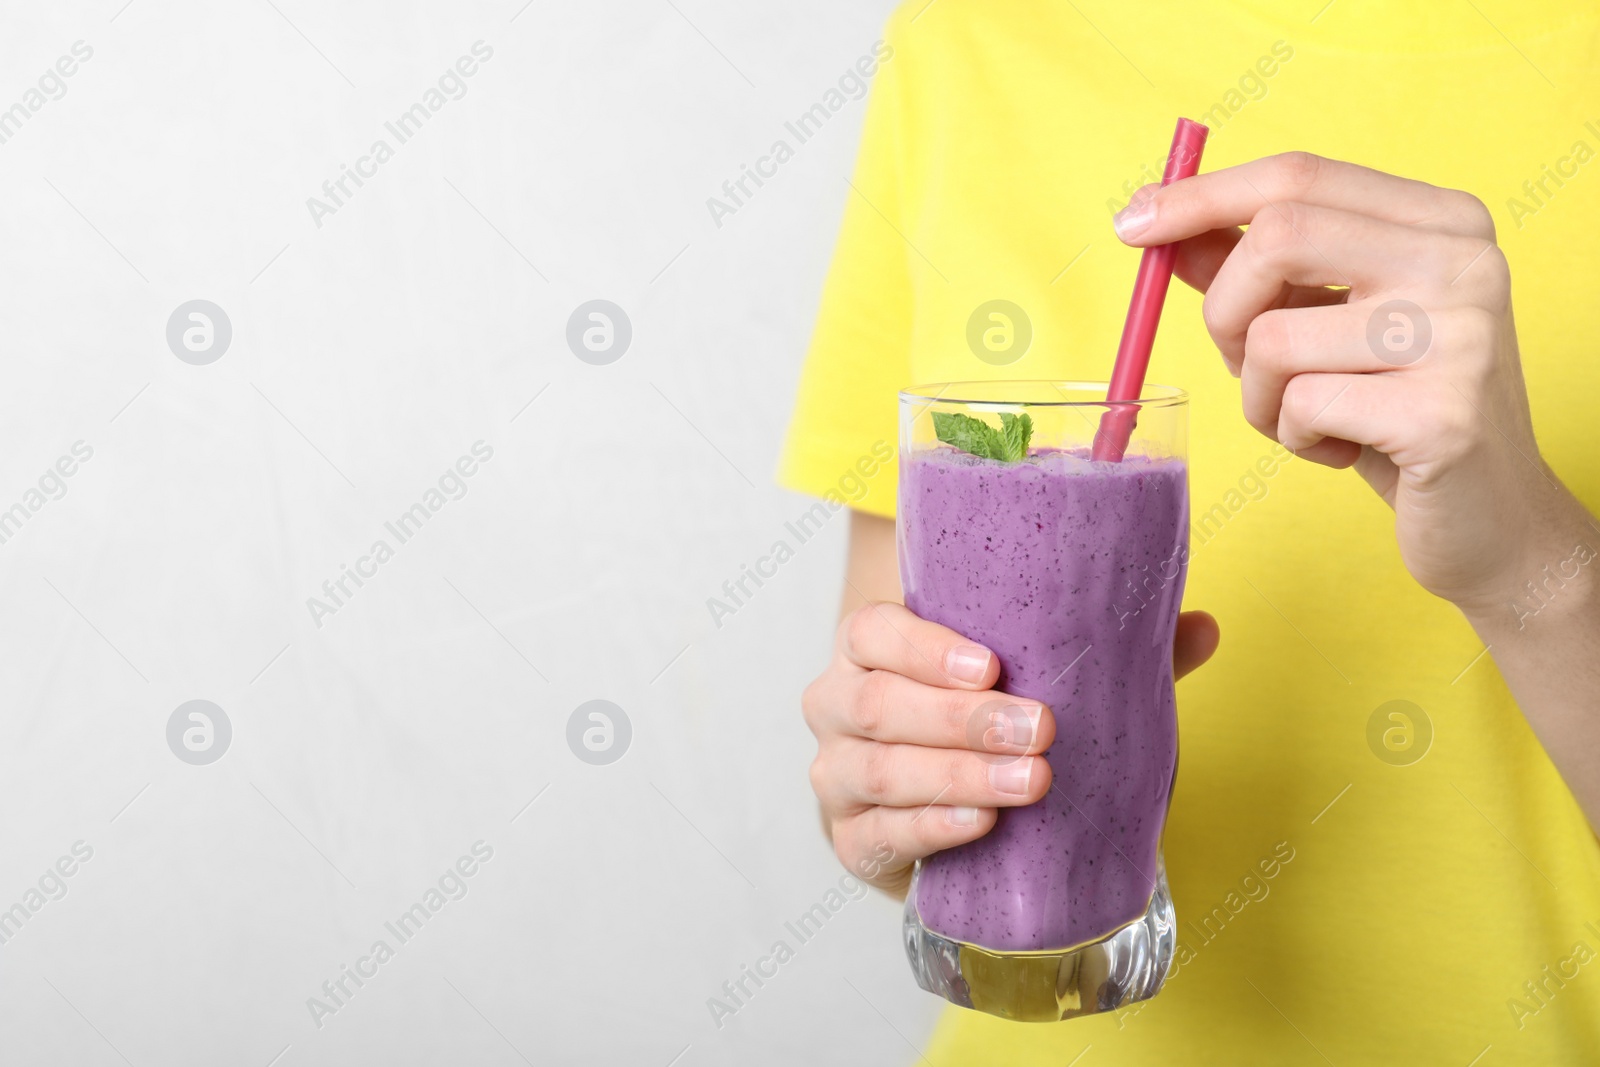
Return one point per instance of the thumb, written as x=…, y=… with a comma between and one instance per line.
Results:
x=1197, y=639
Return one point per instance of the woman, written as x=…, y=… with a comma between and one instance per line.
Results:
x=1404, y=724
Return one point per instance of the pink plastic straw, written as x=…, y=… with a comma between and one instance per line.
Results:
x=1144, y=311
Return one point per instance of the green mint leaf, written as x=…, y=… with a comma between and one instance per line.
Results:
x=968, y=434
x=1015, y=432
x=1009, y=444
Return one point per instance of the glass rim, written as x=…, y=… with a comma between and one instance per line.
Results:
x=970, y=392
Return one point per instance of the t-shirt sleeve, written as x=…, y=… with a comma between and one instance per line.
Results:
x=843, y=432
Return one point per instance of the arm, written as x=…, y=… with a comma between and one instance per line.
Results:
x=1544, y=635
x=872, y=569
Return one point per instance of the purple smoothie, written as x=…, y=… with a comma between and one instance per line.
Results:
x=1071, y=571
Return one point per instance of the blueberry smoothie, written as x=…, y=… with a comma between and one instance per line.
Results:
x=1071, y=571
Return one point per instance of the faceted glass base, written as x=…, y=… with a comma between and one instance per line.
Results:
x=1101, y=976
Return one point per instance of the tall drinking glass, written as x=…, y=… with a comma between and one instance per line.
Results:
x=1071, y=571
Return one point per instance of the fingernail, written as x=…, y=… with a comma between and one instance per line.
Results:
x=961, y=816
x=967, y=663
x=1015, y=726
x=1134, y=219
x=1011, y=776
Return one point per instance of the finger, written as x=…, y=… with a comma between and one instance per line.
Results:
x=1295, y=244
x=1199, y=258
x=1197, y=639
x=1367, y=409
x=889, y=637
x=1234, y=195
x=852, y=774
x=894, y=709
x=1414, y=418
x=880, y=844
x=1284, y=342
x=1333, y=452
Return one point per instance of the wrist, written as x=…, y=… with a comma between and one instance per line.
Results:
x=1555, y=575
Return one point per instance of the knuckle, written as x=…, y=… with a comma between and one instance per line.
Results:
x=877, y=772
x=1266, y=339
x=1473, y=214
x=1474, y=331
x=1462, y=422
x=1298, y=398
x=869, y=709
x=811, y=703
x=1257, y=401
x=1276, y=228
x=927, y=833
x=970, y=772
x=1454, y=427
x=1211, y=315
x=930, y=833
x=1259, y=416
x=845, y=848
x=1499, y=266
x=855, y=630
x=1298, y=170
x=820, y=773
x=965, y=720
x=1496, y=277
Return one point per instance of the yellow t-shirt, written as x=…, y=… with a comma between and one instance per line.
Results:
x=1418, y=910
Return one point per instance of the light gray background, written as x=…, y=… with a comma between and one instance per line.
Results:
x=367, y=355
